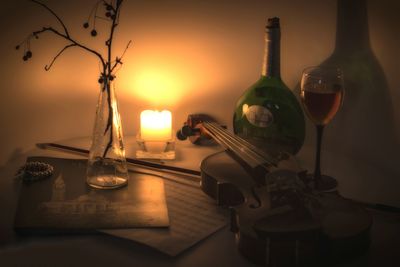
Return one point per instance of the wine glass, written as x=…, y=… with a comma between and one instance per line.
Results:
x=321, y=95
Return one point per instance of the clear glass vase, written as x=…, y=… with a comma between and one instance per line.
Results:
x=107, y=168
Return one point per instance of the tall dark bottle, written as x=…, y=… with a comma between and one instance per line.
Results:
x=364, y=127
x=268, y=114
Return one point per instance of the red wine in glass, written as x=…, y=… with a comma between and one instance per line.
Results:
x=321, y=96
x=321, y=107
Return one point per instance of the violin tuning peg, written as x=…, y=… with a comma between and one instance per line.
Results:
x=183, y=133
x=180, y=135
x=186, y=130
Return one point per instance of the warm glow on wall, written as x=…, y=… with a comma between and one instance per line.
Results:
x=157, y=87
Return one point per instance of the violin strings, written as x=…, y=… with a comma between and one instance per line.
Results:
x=248, y=145
x=243, y=146
x=222, y=141
x=243, y=143
x=235, y=142
x=237, y=149
x=239, y=146
x=226, y=142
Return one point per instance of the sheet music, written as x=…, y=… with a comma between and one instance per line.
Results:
x=193, y=216
x=64, y=203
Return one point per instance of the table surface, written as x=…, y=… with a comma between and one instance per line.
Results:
x=356, y=179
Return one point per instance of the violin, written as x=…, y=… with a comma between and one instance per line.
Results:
x=277, y=217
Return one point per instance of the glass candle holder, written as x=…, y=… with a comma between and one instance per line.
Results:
x=155, y=140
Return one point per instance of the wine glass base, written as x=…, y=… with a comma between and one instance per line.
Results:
x=325, y=184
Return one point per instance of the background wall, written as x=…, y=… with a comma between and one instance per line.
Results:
x=199, y=56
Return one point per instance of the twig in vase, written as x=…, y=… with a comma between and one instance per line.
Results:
x=112, y=11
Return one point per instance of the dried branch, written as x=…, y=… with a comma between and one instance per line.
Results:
x=51, y=29
x=109, y=45
x=118, y=60
x=55, y=15
x=110, y=39
x=108, y=66
x=110, y=7
x=48, y=67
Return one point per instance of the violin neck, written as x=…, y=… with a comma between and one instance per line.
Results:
x=250, y=157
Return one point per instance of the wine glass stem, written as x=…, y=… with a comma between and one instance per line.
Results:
x=317, y=171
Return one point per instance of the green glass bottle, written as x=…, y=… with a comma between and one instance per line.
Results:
x=268, y=114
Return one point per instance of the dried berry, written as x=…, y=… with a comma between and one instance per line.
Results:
x=86, y=25
x=111, y=77
x=109, y=7
x=17, y=47
x=108, y=14
x=100, y=80
x=28, y=54
x=25, y=58
x=93, y=32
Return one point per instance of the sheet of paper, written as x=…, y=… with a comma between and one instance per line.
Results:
x=64, y=202
x=193, y=216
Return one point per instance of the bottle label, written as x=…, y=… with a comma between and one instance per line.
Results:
x=258, y=115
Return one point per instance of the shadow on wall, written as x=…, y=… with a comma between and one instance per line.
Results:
x=364, y=126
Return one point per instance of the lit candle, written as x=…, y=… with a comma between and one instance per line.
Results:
x=155, y=125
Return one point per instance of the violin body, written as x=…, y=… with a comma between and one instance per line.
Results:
x=283, y=236
x=276, y=215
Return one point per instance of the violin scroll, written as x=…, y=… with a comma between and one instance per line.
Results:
x=186, y=131
x=194, y=130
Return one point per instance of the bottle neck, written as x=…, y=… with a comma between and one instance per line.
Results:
x=272, y=53
x=352, y=32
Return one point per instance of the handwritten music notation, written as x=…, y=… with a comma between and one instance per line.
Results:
x=193, y=217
